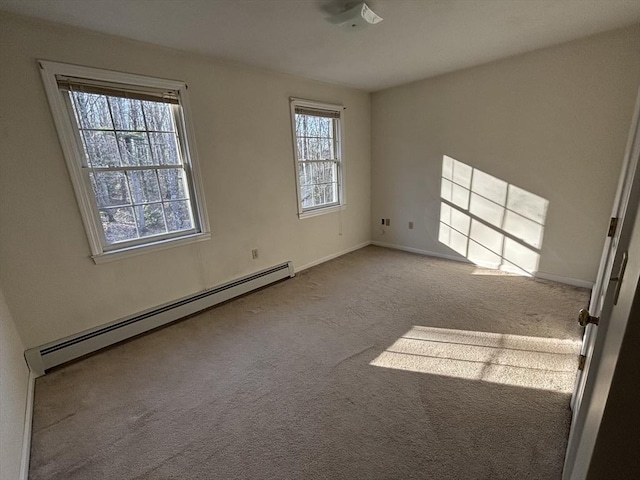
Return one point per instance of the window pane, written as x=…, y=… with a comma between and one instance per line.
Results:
x=317, y=160
x=326, y=127
x=165, y=150
x=135, y=180
x=312, y=126
x=314, y=138
x=316, y=195
x=331, y=172
x=172, y=184
x=134, y=148
x=305, y=171
x=313, y=149
x=101, y=149
x=144, y=186
x=127, y=113
x=317, y=149
x=150, y=219
x=328, y=150
x=328, y=193
x=92, y=111
x=317, y=173
x=118, y=224
x=324, y=194
x=301, y=150
x=110, y=188
x=306, y=196
x=178, y=216
x=159, y=116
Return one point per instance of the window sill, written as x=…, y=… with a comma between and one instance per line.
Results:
x=321, y=211
x=152, y=247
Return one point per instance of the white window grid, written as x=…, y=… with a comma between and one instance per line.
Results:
x=90, y=172
x=70, y=131
x=311, y=181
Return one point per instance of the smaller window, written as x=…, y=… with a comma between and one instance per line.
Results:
x=125, y=138
x=317, y=133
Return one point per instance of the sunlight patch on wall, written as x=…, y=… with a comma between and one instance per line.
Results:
x=489, y=221
x=529, y=362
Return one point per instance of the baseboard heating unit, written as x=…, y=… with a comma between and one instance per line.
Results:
x=61, y=351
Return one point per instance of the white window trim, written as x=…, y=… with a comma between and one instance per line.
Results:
x=73, y=154
x=342, y=191
x=150, y=247
x=322, y=210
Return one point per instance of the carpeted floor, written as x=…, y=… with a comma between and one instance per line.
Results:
x=377, y=365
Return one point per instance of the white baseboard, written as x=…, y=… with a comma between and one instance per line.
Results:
x=428, y=253
x=28, y=422
x=332, y=256
x=576, y=282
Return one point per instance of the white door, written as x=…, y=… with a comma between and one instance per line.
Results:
x=610, y=278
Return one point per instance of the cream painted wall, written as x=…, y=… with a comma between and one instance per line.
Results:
x=14, y=383
x=553, y=122
x=243, y=135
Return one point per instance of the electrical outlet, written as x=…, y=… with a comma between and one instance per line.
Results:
x=387, y=222
x=410, y=225
x=383, y=221
x=254, y=253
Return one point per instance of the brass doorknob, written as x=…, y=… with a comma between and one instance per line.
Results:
x=584, y=318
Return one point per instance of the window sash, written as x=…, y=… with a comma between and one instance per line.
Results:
x=322, y=204
x=74, y=111
x=125, y=85
x=87, y=173
x=321, y=180
x=334, y=138
x=335, y=180
x=87, y=169
x=148, y=240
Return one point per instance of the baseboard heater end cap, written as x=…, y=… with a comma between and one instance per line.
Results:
x=34, y=361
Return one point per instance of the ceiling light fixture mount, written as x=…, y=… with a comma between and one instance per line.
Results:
x=356, y=18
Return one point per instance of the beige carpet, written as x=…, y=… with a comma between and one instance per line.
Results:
x=377, y=365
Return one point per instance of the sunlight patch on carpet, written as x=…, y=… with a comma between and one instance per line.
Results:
x=517, y=360
x=494, y=273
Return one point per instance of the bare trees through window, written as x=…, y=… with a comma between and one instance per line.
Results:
x=317, y=157
x=134, y=164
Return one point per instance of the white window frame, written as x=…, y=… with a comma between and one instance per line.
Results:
x=74, y=155
x=338, y=141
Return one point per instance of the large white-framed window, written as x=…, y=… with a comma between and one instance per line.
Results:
x=319, y=163
x=129, y=148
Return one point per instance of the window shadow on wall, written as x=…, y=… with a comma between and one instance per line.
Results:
x=490, y=222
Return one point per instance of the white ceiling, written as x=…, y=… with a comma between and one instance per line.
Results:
x=417, y=39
